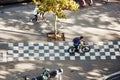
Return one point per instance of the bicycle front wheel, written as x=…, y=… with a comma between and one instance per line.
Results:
x=71, y=50
x=85, y=49
x=34, y=20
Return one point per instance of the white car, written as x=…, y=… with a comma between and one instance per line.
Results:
x=114, y=76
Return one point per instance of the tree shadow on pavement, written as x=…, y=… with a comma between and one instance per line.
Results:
x=92, y=22
x=83, y=70
x=17, y=26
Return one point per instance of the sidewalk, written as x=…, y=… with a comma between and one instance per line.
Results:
x=97, y=23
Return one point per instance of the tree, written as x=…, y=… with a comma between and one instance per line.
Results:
x=57, y=7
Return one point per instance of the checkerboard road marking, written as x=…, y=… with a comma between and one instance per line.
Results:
x=58, y=51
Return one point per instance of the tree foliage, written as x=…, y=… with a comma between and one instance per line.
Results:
x=56, y=6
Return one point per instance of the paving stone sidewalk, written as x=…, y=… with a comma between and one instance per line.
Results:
x=96, y=23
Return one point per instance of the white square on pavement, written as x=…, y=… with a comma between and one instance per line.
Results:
x=61, y=50
x=117, y=53
x=21, y=59
x=66, y=47
x=57, y=54
x=96, y=47
x=41, y=58
x=51, y=58
x=16, y=48
x=100, y=43
x=46, y=54
x=90, y=43
x=107, y=53
x=70, y=43
x=116, y=46
x=106, y=47
x=92, y=50
x=31, y=44
x=82, y=58
x=92, y=57
x=4, y=55
x=102, y=50
x=113, y=57
x=76, y=54
x=20, y=51
x=62, y=58
x=112, y=50
x=60, y=43
x=41, y=44
x=46, y=47
x=56, y=47
x=31, y=51
x=72, y=57
x=20, y=44
x=41, y=51
x=36, y=54
x=97, y=54
x=10, y=59
x=10, y=51
x=50, y=44
x=10, y=44
x=15, y=55
x=87, y=54
x=51, y=51
x=118, y=42
x=103, y=57
x=110, y=43
x=31, y=58
x=25, y=47
x=36, y=47
x=26, y=55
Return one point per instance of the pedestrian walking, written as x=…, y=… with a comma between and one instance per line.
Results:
x=85, y=2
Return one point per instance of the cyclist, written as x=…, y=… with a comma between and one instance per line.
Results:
x=77, y=41
x=35, y=13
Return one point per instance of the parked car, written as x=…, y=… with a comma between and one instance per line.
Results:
x=114, y=76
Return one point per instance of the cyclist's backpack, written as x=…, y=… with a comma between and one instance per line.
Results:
x=75, y=40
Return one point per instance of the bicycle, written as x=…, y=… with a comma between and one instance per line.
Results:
x=82, y=47
x=41, y=17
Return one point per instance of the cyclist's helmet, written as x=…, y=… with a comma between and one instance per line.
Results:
x=81, y=37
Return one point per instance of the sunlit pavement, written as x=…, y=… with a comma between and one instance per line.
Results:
x=73, y=70
x=97, y=23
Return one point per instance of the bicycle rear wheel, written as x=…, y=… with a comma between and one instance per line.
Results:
x=85, y=49
x=34, y=20
x=71, y=50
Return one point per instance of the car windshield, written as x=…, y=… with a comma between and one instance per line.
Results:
x=115, y=77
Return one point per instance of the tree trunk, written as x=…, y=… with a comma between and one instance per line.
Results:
x=55, y=27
